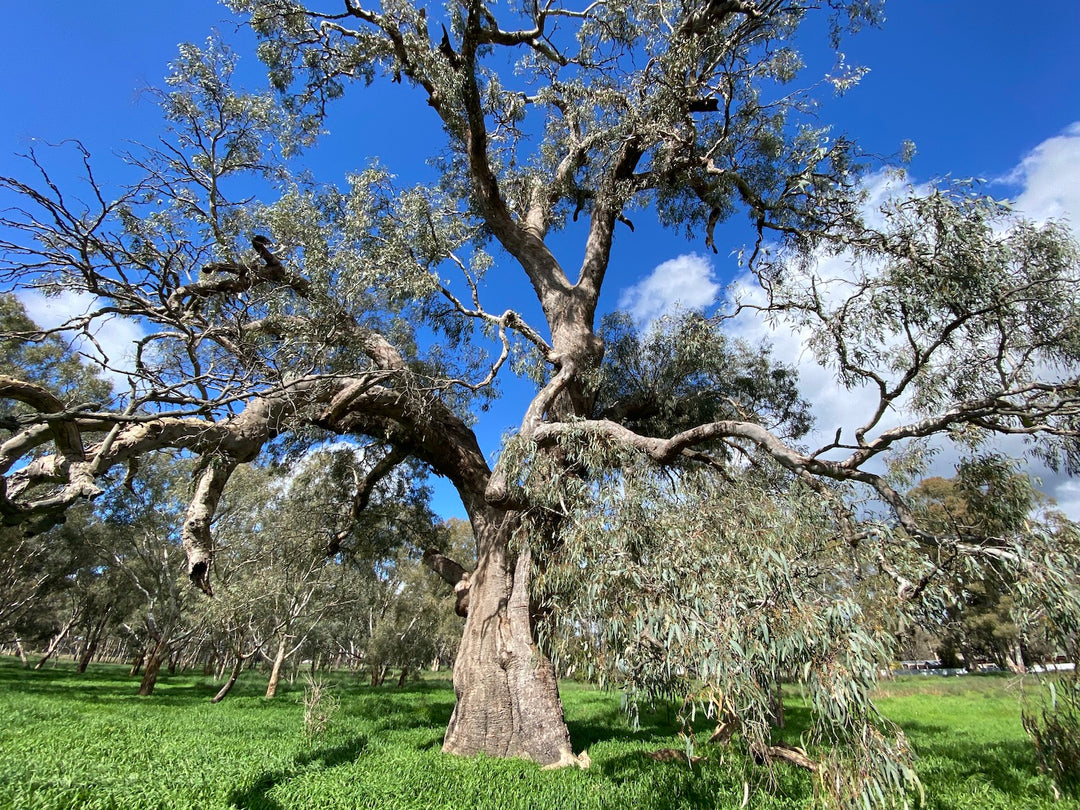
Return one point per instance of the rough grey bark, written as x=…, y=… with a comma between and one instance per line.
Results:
x=507, y=694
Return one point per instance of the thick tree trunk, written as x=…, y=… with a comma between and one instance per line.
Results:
x=275, y=671
x=507, y=695
x=1014, y=657
x=153, y=667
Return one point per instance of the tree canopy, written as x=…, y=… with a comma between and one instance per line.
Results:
x=277, y=312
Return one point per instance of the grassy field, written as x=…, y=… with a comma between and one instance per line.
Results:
x=86, y=741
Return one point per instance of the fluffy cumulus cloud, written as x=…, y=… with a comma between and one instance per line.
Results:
x=685, y=282
x=1044, y=185
x=834, y=406
x=115, y=337
x=1049, y=179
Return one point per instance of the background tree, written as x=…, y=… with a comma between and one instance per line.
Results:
x=411, y=621
x=987, y=498
x=330, y=560
x=45, y=359
x=44, y=580
x=137, y=527
x=36, y=577
x=403, y=615
x=363, y=317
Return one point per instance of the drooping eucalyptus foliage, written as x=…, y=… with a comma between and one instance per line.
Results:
x=656, y=501
x=663, y=589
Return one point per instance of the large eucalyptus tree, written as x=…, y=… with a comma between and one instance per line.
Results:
x=364, y=317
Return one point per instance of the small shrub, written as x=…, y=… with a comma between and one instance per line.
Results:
x=320, y=706
x=1054, y=727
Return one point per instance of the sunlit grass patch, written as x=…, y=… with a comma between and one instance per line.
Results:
x=89, y=742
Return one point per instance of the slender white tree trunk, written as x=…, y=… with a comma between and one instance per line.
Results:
x=55, y=642
x=275, y=670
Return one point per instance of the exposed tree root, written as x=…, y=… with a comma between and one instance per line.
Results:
x=671, y=755
x=781, y=752
x=582, y=760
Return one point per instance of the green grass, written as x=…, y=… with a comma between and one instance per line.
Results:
x=71, y=741
x=973, y=750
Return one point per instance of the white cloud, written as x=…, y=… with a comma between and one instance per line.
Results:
x=1049, y=177
x=115, y=336
x=1048, y=187
x=685, y=282
x=833, y=405
x=1067, y=495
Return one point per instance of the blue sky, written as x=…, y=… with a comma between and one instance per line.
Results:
x=982, y=89
x=975, y=84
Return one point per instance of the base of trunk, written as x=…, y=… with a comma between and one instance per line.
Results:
x=150, y=675
x=508, y=701
x=512, y=712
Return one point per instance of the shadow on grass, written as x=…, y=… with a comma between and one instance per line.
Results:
x=716, y=782
x=1008, y=766
x=592, y=716
x=111, y=683
x=613, y=725
x=403, y=709
x=660, y=722
x=96, y=689
x=671, y=784
x=257, y=797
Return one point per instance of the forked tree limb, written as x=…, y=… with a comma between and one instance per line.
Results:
x=454, y=574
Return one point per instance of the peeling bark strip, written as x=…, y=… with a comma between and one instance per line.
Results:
x=195, y=534
x=782, y=752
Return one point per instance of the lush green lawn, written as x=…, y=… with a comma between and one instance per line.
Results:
x=973, y=751
x=88, y=742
